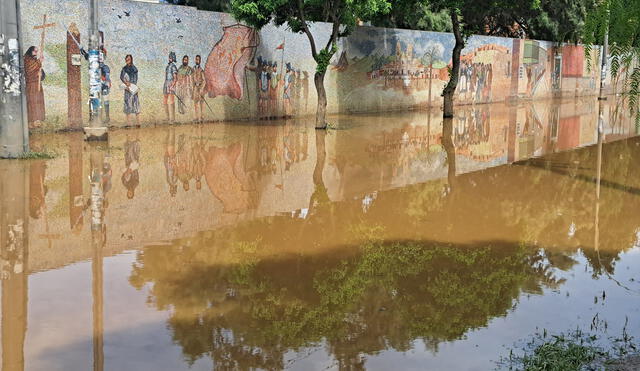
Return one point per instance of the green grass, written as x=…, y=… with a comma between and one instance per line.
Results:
x=575, y=351
x=560, y=354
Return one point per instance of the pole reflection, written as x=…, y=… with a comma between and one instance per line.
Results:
x=14, y=247
x=99, y=183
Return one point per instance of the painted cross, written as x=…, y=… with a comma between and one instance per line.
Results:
x=43, y=27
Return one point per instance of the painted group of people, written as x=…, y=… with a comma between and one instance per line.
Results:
x=183, y=162
x=35, y=75
x=475, y=81
x=234, y=171
x=279, y=94
x=184, y=83
x=279, y=148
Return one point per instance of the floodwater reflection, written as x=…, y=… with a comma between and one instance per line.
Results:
x=397, y=239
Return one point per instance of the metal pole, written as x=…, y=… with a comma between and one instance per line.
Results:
x=603, y=65
x=14, y=132
x=603, y=75
x=96, y=130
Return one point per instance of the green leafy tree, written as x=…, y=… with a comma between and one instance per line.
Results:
x=478, y=17
x=557, y=20
x=619, y=20
x=298, y=15
x=212, y=5
x=414, y=15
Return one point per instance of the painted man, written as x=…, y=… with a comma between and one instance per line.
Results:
x=183, y=163
x=274, y=91
x=183, y=84
x=131, y=176
x=265, y=78
x=198, y=158
x=170, y=162
x=34, y=75
x=199, y=86
x=169, y=88
x=289, y=80
x=129, y=78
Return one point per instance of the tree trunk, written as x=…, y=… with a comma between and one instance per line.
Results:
x=320, y=158
x=321, y=112
x=319, y=191
x=450, y=150
x=450, y=89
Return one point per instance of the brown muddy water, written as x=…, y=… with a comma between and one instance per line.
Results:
x=395, y=242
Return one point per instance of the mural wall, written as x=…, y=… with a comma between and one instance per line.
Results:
x=166, y=63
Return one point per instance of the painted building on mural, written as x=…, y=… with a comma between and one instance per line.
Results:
x=232, y=71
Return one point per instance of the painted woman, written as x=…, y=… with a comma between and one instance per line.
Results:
x=129, y=78
x=34, y=75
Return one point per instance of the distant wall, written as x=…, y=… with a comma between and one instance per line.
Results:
x=375, y=69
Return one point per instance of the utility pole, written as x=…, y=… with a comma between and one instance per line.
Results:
x=14, y=132
x=96, y=129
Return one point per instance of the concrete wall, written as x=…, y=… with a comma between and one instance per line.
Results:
x=375, y=69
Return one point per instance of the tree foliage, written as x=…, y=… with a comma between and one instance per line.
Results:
x=212, y=5
x=414, y=15
x=558, y=20
x=297, y=15
x=620, y=20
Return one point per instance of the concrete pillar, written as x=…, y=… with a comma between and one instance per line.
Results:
x=96, y=129
x=14, y=132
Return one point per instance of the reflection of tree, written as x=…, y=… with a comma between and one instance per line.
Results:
x=545, y=202
x=247, y=311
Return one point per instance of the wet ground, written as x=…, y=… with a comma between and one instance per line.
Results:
x=398, y=241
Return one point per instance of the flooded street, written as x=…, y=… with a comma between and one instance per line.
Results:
x=396, y=241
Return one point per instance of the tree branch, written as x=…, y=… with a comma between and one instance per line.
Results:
x=336, y=25
x=305, y=28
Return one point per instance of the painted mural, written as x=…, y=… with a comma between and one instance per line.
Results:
x=161, y=63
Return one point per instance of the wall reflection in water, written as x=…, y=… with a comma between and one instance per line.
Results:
x=397, y=228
